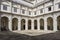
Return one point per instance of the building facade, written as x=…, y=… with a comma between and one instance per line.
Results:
x=45, y=15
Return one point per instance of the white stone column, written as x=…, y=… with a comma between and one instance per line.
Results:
x=26, y=27
x=32, y=24
x=45, y=24
x=10, y=24
x=38, y=24
x=19, y=24
x=55, y=24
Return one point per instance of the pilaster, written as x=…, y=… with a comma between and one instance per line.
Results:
x=19, y=24
x=26, y=24
x=45, y=24
x=32, y=24
x=38, y=24
x=55, y=24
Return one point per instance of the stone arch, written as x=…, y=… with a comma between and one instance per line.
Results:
x=4, y=23
x=42, y=24
x=35, y=24
x=14, y=24
x=58, y=22
x=50, y=23
x=29, y=24
x=23, y=24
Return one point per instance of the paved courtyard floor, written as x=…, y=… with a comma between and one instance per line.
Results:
x=30, y=35
x=34, y=32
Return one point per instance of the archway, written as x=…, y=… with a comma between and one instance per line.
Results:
x=29, y=24
x=35, y=24
x=58, y=22
x=14, y=24
x=50, y=23
x=42, y=24
x=4, y=24
x=23, y=24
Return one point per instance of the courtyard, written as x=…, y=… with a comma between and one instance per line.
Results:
x=7, y=35
x=29, y=20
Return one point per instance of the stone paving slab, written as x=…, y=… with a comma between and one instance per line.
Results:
x=18, y=36
x=34, y=32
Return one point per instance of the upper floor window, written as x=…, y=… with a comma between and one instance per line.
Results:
x=35, y=13
x=15, y=9
x=49, y=8
x=41, y=10
x=23, y=11
x=29, y=12
x=59, y=5
x=4, y=7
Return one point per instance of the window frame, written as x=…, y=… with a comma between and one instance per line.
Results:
x=41, y=10
x=5, y=7
x=59, y=5
x=15, y=8
x=49, y=8
x=29, y=12
x=23, y=11
x=35, y=13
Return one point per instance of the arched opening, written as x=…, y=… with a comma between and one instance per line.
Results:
x=4, y=24
x=29, y=24
x=58, y=22
x=23, y=24
x=50, y=23
x=14, y=24
x=42, y=24
x=35, y=24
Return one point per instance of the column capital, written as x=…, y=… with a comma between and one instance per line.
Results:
x=19, y=19
x=38, y=20
x=26, y=19
x=32, y=20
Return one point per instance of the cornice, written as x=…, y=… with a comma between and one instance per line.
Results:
x=29, y=5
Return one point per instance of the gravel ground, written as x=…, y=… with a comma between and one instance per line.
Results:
x=16, y=36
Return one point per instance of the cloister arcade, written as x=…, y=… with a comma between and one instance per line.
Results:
x=50, y=26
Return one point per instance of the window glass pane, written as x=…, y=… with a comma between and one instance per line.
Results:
x=29, y=12
x=59, y=6
x=23, y=11
x=4, y=7
x=41, y=11
x=15, y=9
x=35, y=13
x=49, y=8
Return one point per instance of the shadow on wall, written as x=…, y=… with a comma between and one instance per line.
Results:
x=16, y=36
